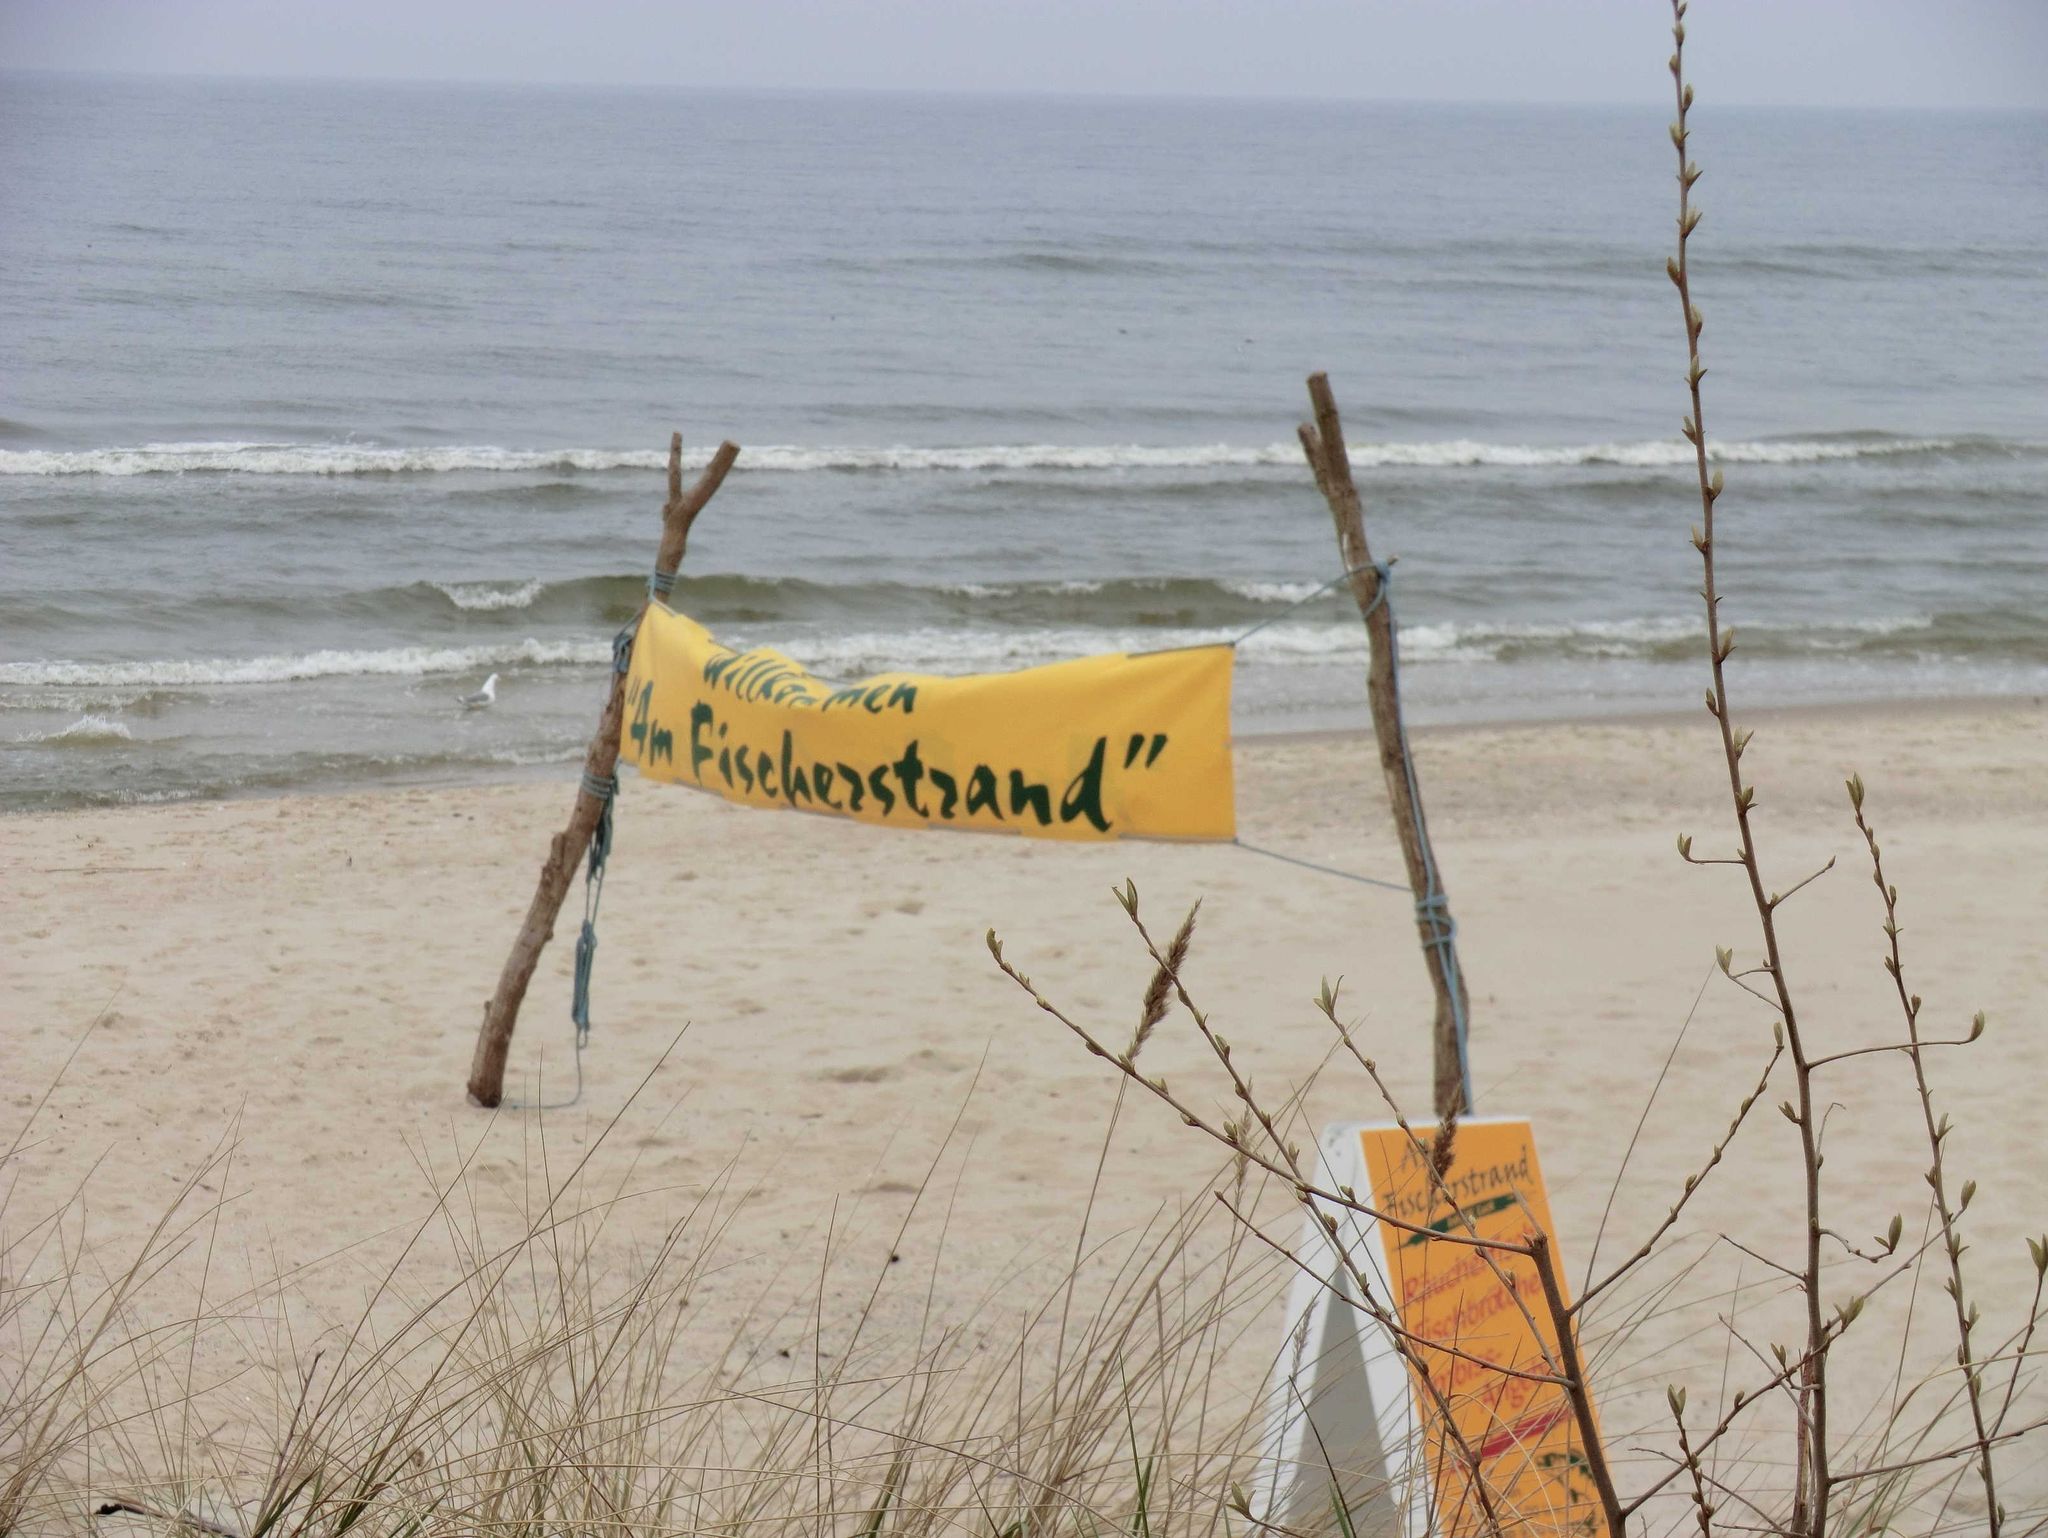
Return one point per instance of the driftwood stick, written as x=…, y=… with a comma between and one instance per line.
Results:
x=565, y=853
x=1328, y=459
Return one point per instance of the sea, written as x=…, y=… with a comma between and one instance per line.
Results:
x=322, y=401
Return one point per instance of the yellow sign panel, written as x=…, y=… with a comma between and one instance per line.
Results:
x=1096, y=748
x=1530, y=1451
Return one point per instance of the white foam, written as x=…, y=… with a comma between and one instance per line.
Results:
x=1279, y=592
x=483, y=596
x=1020, y=456
x=949, y=651
x=944, y=650
x=393, y=662
x=1657, y=453
x=359, y=459
x=310, y=459
x=85, y=701
x=84, y=732
x=932, y=649
x=1597, y=638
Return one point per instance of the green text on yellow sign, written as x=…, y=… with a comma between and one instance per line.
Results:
x=1100, y=747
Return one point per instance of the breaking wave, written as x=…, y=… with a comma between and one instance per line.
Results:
x=87, y=731
x=949, y=649
x=842, y=630
x=1457, y=453
x=390, y=662
x=483, y=597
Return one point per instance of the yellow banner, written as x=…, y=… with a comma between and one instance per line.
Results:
x=1096, y=748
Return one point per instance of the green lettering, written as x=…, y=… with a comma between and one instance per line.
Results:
x=1083, y=797
x=878, y=782
x=700, y=751
x=909, y=771
x=981, y=792
x=1029, y=794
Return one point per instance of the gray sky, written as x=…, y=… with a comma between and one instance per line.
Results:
x=1819, y=52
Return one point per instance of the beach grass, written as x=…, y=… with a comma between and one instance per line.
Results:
x=499, y=1380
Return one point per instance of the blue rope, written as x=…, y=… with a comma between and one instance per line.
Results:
x=1326, y=870
x=586, y=959
x=606, y=789
x=1342, y=576
x=600, y=786
x=1274, y=619
x=1433, y=907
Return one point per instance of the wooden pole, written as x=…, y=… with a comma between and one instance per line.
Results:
x=565, y=853
x=1323, y=442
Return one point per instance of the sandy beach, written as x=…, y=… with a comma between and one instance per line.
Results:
x=311, y=971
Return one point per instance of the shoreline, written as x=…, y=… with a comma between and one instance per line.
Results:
x=1909, y=708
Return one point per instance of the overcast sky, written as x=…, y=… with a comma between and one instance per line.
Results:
x=1948, y=53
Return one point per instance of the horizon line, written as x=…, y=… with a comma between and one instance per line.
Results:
x=1002, y=93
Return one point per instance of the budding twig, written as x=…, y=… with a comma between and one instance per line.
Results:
x=1810, y=1507
x=1946, y=1212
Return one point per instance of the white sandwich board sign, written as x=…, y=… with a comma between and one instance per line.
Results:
x=1351, y=1422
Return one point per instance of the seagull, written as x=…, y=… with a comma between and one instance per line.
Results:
x=483, y=697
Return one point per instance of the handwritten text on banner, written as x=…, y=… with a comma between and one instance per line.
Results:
x=1096, y=748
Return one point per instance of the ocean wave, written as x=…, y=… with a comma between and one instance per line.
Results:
x=88, y=731
x=1069, y=587
x=950, y=650
x=85, y=701
x=1456, y=453
x=954, y=645
x=173, y=778
x=483, y=597
x=390, y=662
x=420, y=609
x=1664, y=638
x=229, y=458
x=1276, y=592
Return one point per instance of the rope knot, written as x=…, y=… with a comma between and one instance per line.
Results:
x=1433, y=911
x=1379, y=597
x=1386, y=583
